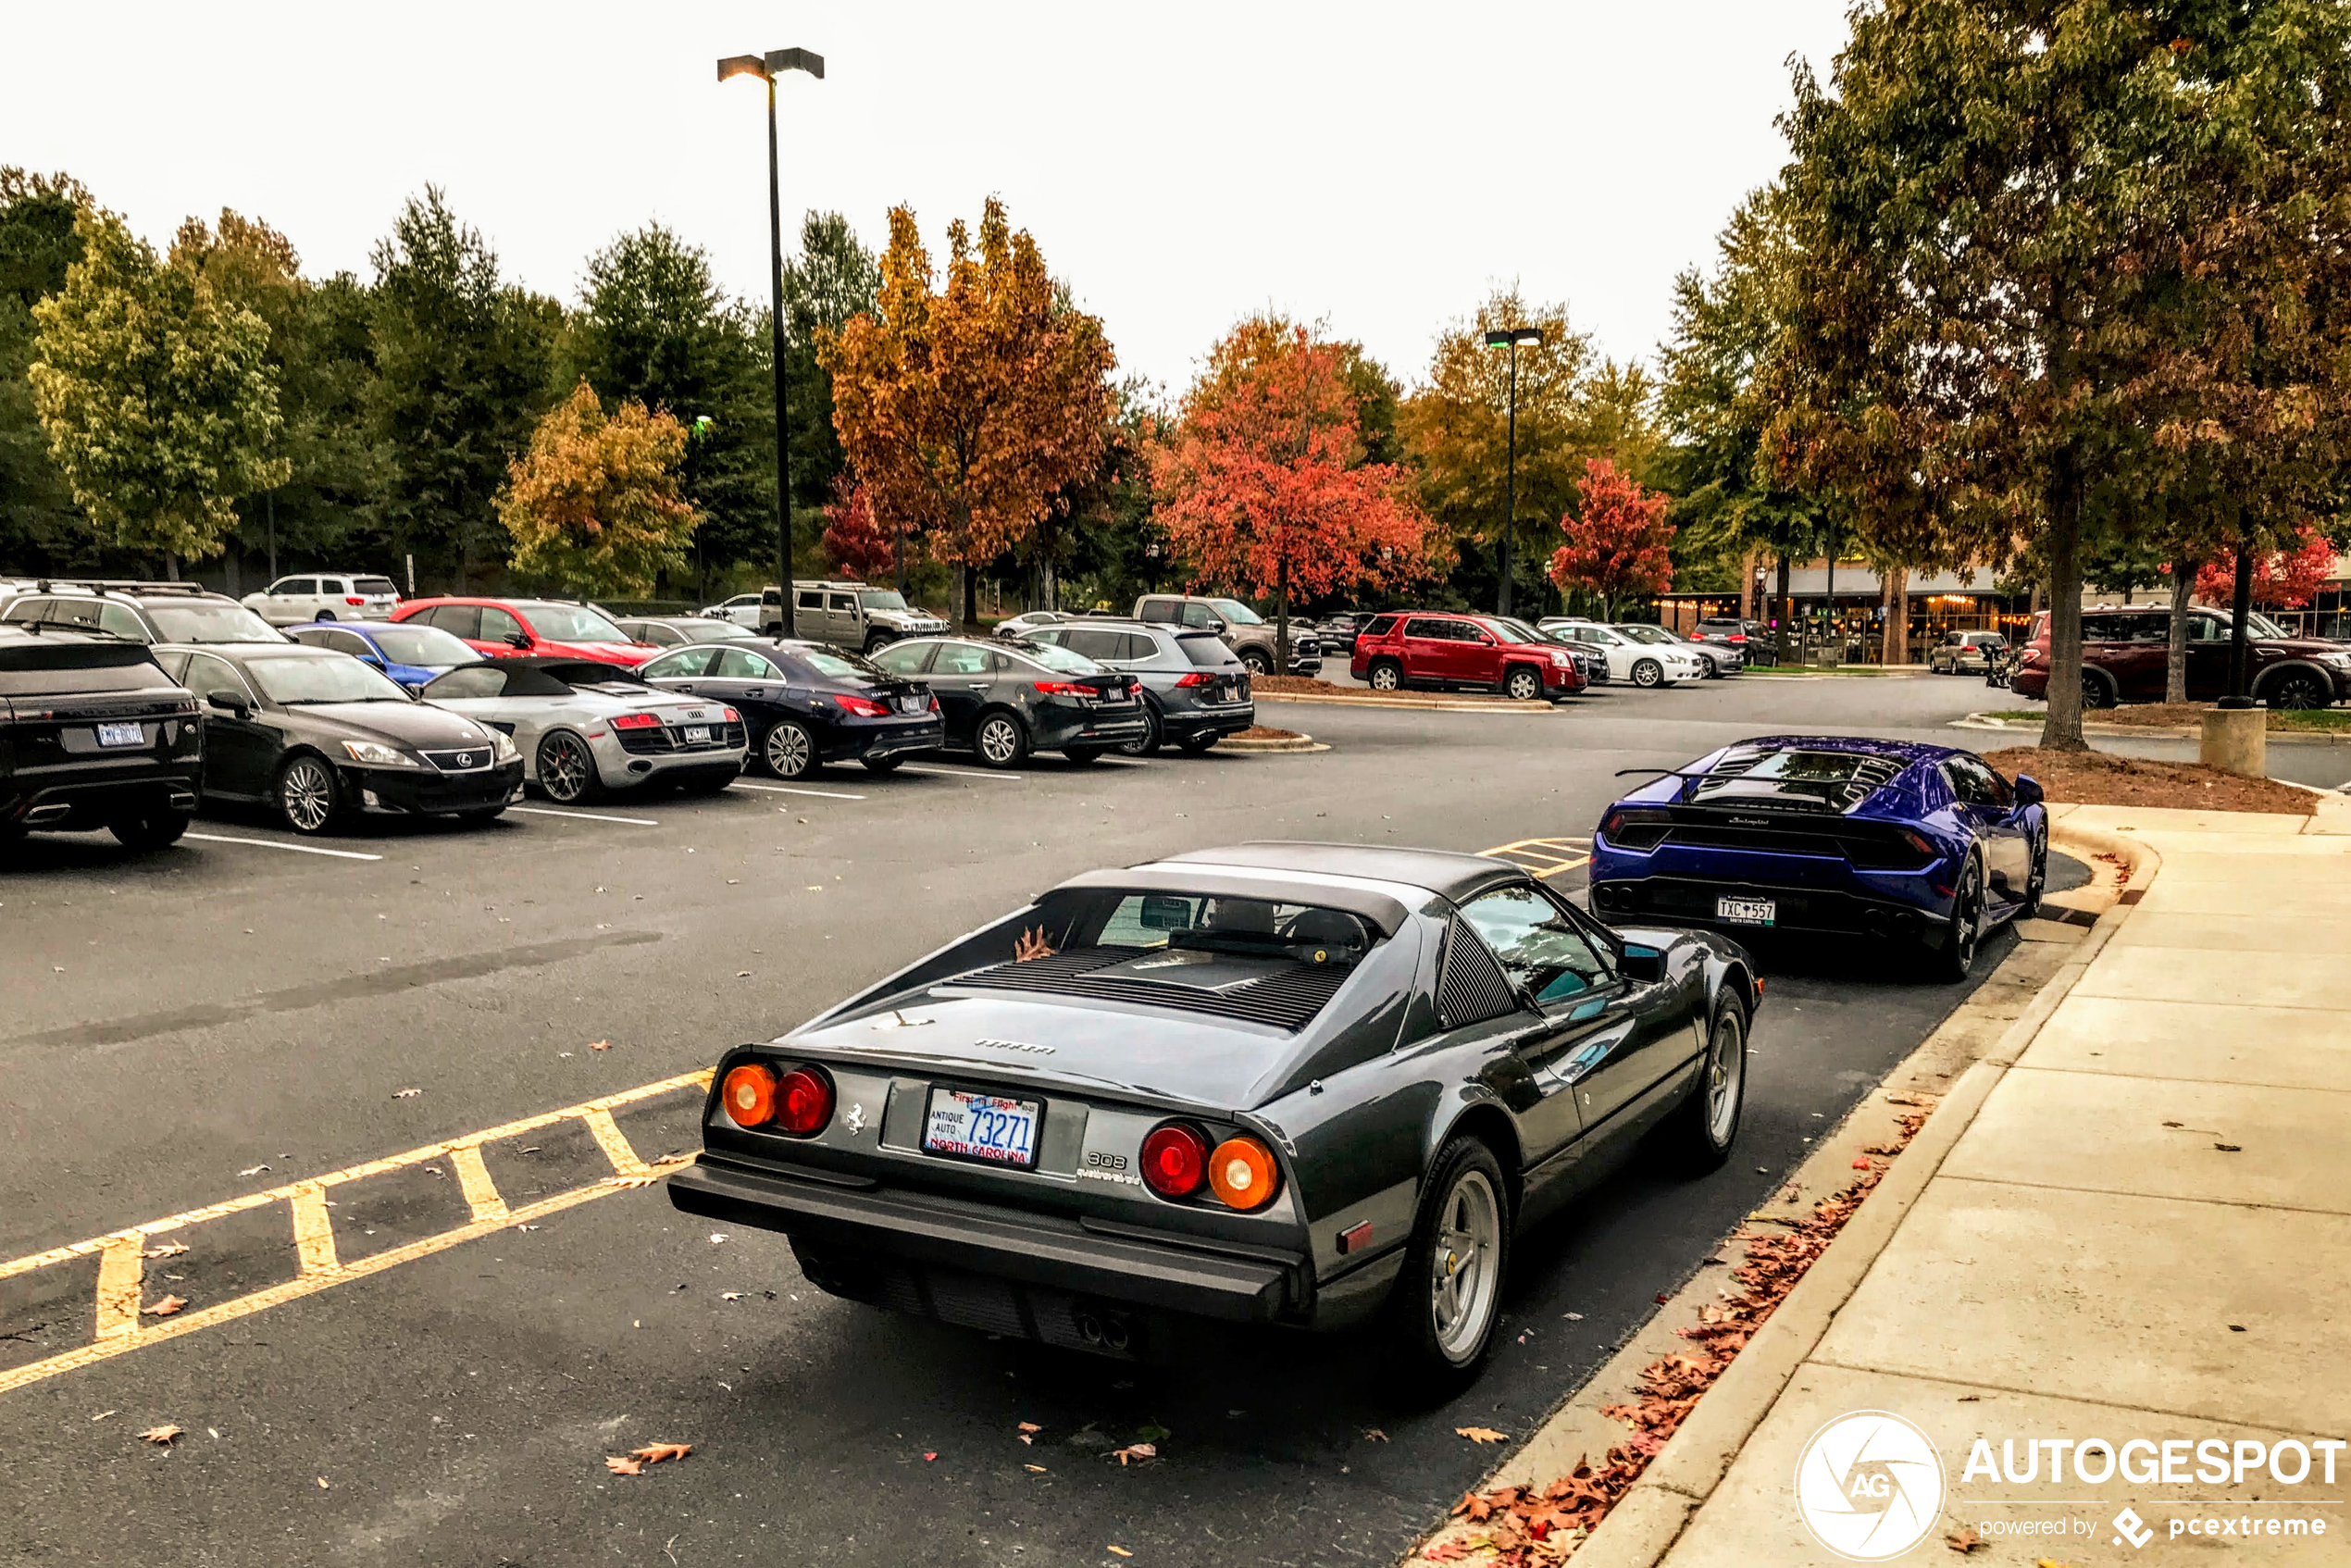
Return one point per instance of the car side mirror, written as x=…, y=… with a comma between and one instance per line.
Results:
x=1642, y=963
x=2028, y=790
x=229, y=702
x=516, y=639
x=1216, y=626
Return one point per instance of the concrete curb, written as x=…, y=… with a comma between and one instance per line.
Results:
x=1293, y=746
x=1431, y=704
x=2146, y=731
x=1644, y=1525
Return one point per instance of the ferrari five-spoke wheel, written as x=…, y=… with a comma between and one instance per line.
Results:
x=1649, y=672
x=790, y=750
x=567, y=768
x=1523, y=685
x=1448, y=1294
x=1147, y=743
x=1710, y=1117
x=2297, y=688
x=1001, y=741
x=2036, y=881
x=1958, y=957
x=1385, y=676
x=306, y=795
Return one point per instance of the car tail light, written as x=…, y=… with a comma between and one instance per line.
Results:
x=934, y=704
x=637, y=721
x=1919, y=842
x=732, y=717
x=864, y=707
x=1175, y=1160
x=1736, y=637
x=1065, y=689
x=1194, y=678
x=804, y=1101
x=749, y=1095
x=353, y=599
x=1243, y=1174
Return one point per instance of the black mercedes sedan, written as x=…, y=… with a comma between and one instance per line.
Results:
x=1004, y=701
x=807, y=704
x=1285, y=1083
x=317, y=737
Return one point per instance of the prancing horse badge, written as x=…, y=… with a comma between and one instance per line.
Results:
x=856, y=1118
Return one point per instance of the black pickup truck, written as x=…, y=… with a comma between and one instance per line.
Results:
x=94, y=734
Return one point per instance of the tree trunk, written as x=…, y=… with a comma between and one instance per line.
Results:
x=1281, y=618
x=1747, y=584
x=1898, y=622
x=1784, y=605
x=2062, y=731
x=966, y=599
x=172, y=565
x=2175, y=657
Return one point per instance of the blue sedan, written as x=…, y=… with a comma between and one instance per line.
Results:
x=409, y=652
x=1830, y=836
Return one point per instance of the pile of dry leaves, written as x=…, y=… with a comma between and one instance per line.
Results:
x=1527, y=1526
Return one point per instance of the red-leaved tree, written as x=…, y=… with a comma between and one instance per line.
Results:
x=2286, y=579
x=855, y=539
x=1617, y=538
x=1262, y=483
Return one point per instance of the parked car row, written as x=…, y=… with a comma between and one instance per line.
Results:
x=2126, y=658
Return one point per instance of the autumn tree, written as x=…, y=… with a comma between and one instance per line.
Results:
x=966, y=404
x=1618, y=541
x=156, y=395
x=858, y=545
x=2283, y=580
x=595, y=500
x=1262, y=483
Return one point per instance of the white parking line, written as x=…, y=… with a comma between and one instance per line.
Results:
x=786, y=789
x=274, y=844
x=586, y=817
x=958, y=773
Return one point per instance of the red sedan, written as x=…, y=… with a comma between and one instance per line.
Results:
x=1494, y=652
x=505, y=627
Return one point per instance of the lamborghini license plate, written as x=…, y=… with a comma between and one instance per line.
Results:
x=1746, y=912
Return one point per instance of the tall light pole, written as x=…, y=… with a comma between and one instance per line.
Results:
x=1511, y=337
x=768, y=68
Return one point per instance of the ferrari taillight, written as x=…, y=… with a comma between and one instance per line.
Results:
x=804, y=1101
x=1243, y=1174
x=749, y=1095
x=1175, y=1160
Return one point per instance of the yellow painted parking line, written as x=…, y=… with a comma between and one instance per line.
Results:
x=314, y=1228
x=614, y=1143
x=473, y=1178
x=121, y=1278
x=1546, y=857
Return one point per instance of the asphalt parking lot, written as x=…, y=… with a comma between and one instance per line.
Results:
x=398, y=1094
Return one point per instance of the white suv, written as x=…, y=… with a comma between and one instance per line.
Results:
x=326, y=596
x=1641, y=663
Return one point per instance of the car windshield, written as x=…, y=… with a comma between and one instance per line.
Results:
x=827, y=661
x=2262, y=626
x=1643, y=633
x=290, y=681
x=880, y=599
x=1516, y=631
x=1236, y=613
x=1060, y=659
x=206, y=620
x=571, y=622
x=412, y=643
x=712, y=631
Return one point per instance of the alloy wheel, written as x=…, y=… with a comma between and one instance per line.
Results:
x=1464, y=1263
x=1648, y=673
x=306, y=795
x=2298, y=689
x=2093, y=690
x=1525, y=686
x=565, y=769
x=2037, y=883
x=1386, y=677
x=999, y=741
x=1725, y=1076
x=787, y=749
x=1966, y=921
x=1147, y=743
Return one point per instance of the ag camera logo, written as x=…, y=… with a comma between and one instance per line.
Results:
x=1869, y=1486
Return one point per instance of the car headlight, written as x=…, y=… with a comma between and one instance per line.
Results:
x=376, y=754
x=503, y=747
x=1560, y=661
x=2337, y=661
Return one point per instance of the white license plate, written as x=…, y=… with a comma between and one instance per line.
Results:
x=981, y=1127
x=1746, y=912
x=697, y=734
x=120, y=734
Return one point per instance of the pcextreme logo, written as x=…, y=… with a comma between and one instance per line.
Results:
x=1869, y=1486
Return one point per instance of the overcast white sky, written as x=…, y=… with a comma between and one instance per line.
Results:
x=1377, y=166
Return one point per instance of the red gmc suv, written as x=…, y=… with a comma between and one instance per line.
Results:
x=1417, y=648
x=503, y=627
x=2124, y=655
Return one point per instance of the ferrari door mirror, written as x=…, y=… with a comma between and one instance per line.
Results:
x=1642, y=963
x=2028, y=790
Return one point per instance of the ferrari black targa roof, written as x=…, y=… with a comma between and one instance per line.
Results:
x=1377, y=884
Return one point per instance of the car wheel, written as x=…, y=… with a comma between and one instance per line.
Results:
x=566, y=769
x=789, y=751
x=875, y=643
x=324, y=615
x=152, y=830
x=1708, y=1122
x=1956, y=960
x=1001, y=741
x=1649, y=672
x=1386, y=674
x=882, y=765
x=1523, y=685
x=1257, y=663
x=2096, y=692
x=1447, y=1297
x=1148, y=743
x=1193, y=745
x=2297, y=688
x=2036, y=881
x=1082, y=754
x=306, y=795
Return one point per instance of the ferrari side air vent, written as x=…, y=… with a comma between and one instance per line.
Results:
x=1288, y=999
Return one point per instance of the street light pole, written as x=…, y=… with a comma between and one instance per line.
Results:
x=768, y=68
x=1511, y=337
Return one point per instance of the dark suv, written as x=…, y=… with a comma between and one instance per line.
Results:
x=2126, y=653
x=139, y=612
x=94, y=734
x=1752, y=639
x=1195, y=689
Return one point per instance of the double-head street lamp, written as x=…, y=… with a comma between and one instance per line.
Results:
x=768, y=67
x=1510, y=338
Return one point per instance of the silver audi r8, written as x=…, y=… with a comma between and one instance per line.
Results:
x=585, y=728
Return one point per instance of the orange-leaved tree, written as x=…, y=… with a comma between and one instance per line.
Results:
x=1262, y=482
x=965, y=408
x=1617, y=538
x=594, y=503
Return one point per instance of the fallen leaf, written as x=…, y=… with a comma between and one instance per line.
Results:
x=1375, y=1436
x=620, y=1466
x=730, y=1295
x=1481, y=1433
x=168, y=1249
x=2175, y=1124
x=163, y=1434
x=322, y=1483
x=1122, y=1552
x=164, y=1308
x=406, y=1093
x=1136, y=1451
x=928, y=1457
x=1032, y=944
x=2230, y=1148
x=601, y=1045
x=1965, y=1541
x=1445, y=1551
x=654, y=1453
x=252, y=1170
x=1860, y=1165
x=1030, y=1426
x=104, y=1413
x=742, y=974
x=717, y=1236
x=1038, y=1468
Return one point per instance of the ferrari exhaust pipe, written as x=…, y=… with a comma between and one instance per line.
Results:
x=1089, y=1328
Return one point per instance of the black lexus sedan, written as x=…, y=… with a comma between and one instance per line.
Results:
x=1004, y=701
x=807, y=704
x=317, y=735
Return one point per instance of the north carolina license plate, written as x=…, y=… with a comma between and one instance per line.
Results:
x=1746, y=912
x=120, y=734
x=981, y=1127
x=697, y=735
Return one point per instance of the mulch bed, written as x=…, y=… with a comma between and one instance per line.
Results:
x=1311, y=685
x=1265, y=732
x=2096, y=778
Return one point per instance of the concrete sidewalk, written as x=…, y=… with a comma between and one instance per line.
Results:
x=2143, y=1232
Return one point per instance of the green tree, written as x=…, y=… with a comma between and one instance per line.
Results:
x=40, y=530
x=832, y=279
x=462, y=363
x=594, y=503
x=155, y=393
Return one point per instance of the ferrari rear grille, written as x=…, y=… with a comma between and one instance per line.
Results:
x=1288, y=999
